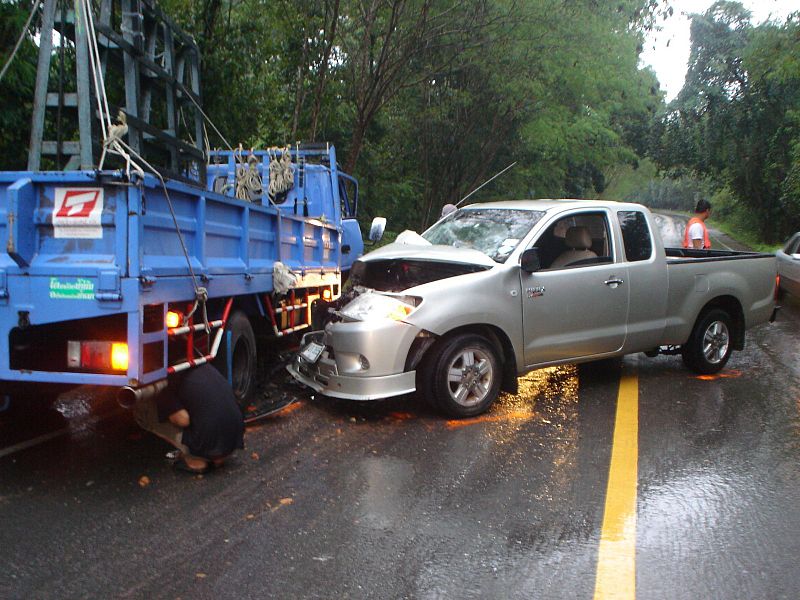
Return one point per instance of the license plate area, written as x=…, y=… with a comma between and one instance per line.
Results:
x=312, y=352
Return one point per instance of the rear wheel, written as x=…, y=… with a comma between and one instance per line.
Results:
x=710, y=344
x=32, y=408
x=243, y=357
x=461, y=376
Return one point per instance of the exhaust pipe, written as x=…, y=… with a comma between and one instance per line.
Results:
x=128, y=396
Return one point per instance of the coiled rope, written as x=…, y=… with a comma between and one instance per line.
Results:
x=281, y=176
x=249, y=186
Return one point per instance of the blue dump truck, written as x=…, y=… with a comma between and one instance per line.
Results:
x=116, y=279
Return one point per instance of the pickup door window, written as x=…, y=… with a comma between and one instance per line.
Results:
x=577, y=305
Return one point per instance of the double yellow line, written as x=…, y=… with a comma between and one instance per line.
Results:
x=616, y=562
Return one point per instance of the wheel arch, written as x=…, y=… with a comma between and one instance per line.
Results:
x=496, y=336
x=733, y=307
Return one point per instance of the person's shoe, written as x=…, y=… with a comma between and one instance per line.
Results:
x=182, y=465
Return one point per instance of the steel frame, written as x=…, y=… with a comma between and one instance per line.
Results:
x=160, y=68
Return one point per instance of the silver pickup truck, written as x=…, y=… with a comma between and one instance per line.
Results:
x=495, y=290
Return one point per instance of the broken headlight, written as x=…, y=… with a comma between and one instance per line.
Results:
x=371, y=306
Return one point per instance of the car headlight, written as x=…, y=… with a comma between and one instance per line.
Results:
x=371, y=307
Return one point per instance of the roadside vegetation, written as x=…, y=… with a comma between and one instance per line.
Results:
x=427, y=99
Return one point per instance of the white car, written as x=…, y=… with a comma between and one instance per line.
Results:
x=789, y=265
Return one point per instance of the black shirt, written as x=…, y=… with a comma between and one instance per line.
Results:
x=216, y=427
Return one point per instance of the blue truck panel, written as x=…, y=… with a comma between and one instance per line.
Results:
x=92, y=256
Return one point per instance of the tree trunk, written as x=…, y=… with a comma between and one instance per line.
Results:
x=300, y=93
x=356, y=145
x=319, y=91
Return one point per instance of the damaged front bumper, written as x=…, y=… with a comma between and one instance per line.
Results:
x=357, y=360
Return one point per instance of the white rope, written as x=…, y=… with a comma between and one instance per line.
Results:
x=201, y=293
x=248, y=182
x=281, y=176
x=34, y=8
x=97, y=73
x=113, y=143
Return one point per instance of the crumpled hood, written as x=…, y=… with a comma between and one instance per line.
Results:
x=429, y=253
x=398, y=267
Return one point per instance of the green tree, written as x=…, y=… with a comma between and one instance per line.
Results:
x=16, y=87
x=736, y=119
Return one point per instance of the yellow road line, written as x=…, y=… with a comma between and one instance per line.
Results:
x=616, y=563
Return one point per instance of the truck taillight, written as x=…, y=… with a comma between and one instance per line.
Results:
x=326, y=295
x=119, y=356
x=174, y=319
x=97, y=355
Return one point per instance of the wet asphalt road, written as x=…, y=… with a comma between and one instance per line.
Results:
x=389, y=500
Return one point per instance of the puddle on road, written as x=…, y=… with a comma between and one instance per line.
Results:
x=536, y=388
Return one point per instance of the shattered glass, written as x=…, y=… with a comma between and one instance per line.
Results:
x=494, y=231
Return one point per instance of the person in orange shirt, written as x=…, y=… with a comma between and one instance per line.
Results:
x=696, y=235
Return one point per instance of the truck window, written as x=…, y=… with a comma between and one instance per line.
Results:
x=635, y=235
x=576, y=240
x=348, y=195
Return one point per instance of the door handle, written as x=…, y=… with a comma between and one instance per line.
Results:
x=613, y=281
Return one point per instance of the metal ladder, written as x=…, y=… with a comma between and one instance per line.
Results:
x=157, y=62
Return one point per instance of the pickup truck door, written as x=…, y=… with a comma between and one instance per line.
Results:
x=647, y=281
x=575, y=308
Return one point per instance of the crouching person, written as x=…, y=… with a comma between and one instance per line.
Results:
x=198, y=415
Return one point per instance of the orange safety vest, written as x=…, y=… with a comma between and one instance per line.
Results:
x=687, y=243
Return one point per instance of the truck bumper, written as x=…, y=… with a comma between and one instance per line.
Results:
x=359, y=361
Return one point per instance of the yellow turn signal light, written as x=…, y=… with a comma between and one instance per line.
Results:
x=174, y=319
x=326, y=295
x=119, y=356
x=400, y=312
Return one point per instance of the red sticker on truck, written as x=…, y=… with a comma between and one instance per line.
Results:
x=77, y=213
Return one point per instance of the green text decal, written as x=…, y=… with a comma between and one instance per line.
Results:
x=71, y=289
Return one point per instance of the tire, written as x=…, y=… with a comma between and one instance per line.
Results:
x=31, y=410
x=243, y=357
x=461, y=377
x=710, y=344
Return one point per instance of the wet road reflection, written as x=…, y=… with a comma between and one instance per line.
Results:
x=389, y=499
x=719, y=484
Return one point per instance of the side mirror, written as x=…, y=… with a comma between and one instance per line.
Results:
x=529, y=261
x=377, y=229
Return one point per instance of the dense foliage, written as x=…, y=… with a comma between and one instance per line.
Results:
x=427, y=99
x=16, y=87
x=737, y=120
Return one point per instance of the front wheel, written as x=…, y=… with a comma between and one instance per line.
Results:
x=709, y=346
x=242, y=357
x=462, y=376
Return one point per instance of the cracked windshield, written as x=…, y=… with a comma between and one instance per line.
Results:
x=495, y=232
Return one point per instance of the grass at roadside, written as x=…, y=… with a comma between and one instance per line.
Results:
x=751, y=239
